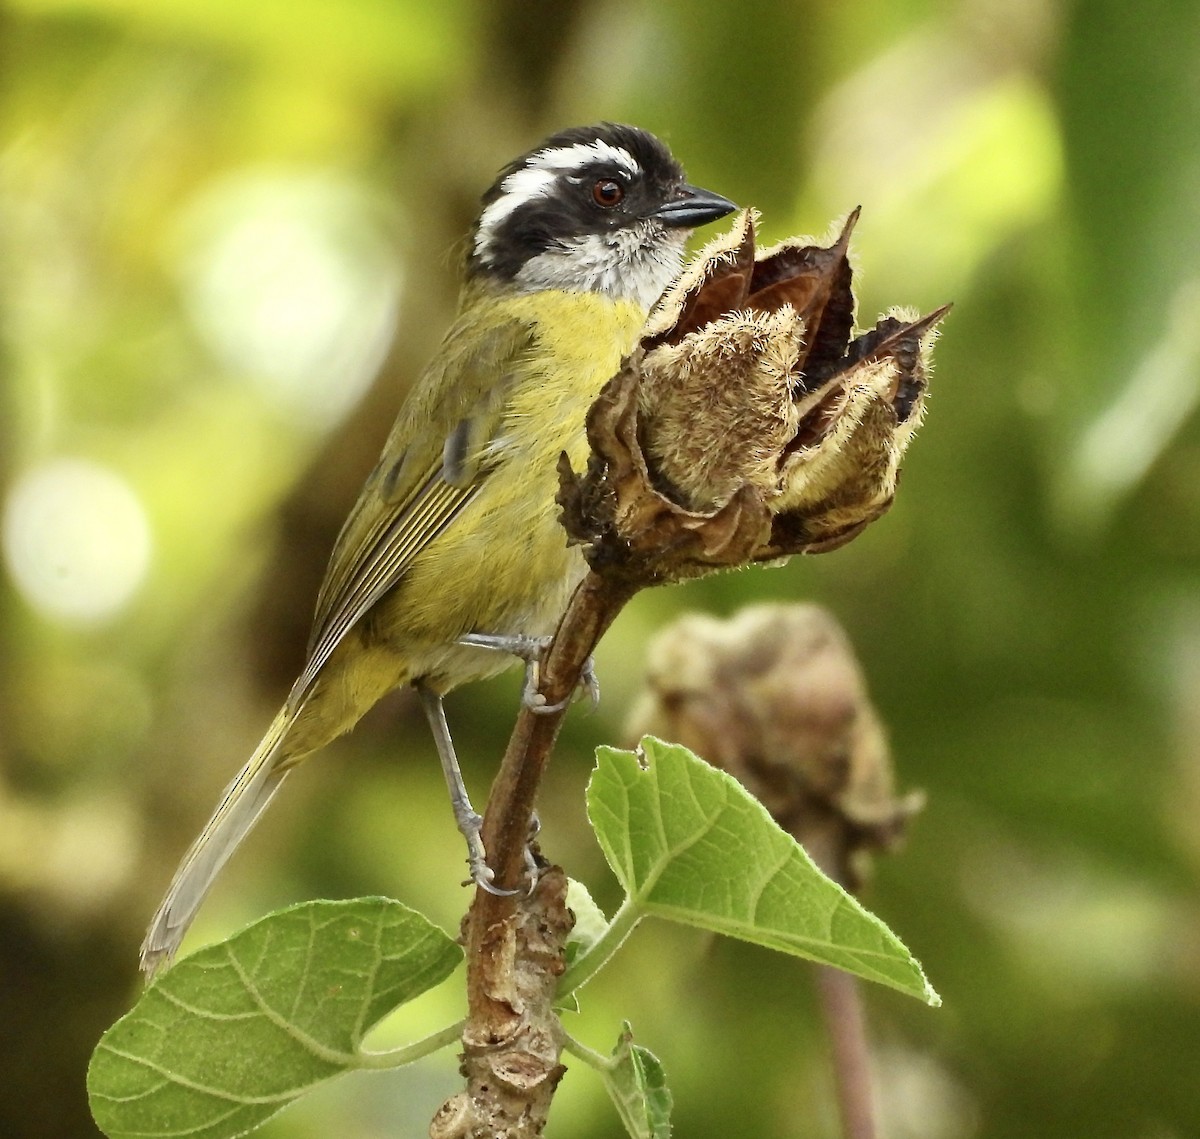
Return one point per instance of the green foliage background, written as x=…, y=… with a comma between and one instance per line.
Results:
x=188, y=188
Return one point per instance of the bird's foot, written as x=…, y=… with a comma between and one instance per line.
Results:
x=530, y=650
x=482, y=875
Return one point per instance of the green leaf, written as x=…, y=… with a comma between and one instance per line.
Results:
x=689, y=843
x=590, y=926
x=236, y=1032
x=637, y=1085
x=590, y=922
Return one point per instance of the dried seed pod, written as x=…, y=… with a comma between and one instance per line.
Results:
x=748, y=422
x=776, y=697
x=716, y=407
x=841, y=467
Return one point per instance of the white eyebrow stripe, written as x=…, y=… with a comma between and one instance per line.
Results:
x=519, y=187
x=536, y=178
x=584, y=153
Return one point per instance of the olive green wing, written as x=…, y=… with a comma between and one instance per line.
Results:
x=432, y=465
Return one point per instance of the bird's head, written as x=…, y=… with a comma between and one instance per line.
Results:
x=604, y=209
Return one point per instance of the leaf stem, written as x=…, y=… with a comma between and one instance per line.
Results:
x=408, y=1053
x=586, y=967
x=589, y=1056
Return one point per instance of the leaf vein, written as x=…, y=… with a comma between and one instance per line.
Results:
x=180, y=1080
x=321, y=1051
x=197, y=1011
x=788, y=853
x=671, y=853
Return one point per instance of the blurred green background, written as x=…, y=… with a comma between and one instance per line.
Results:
x=228, y=239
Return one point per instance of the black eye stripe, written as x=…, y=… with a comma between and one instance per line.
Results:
x=547, y=213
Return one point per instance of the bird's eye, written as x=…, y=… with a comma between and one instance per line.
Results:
x=607, y=193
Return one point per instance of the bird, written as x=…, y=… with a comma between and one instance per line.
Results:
x=453, y=548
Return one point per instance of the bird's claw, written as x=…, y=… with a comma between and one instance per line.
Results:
x=530, y=650
x=589, y=682
x=482, y=875
x=532, y=699
x=532, y=873
x=536, y=702
x=483, y=879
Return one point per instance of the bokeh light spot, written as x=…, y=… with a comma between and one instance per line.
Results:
x=76, y=540
x=292, y=282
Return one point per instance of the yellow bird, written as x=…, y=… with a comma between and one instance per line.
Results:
x=455, y=534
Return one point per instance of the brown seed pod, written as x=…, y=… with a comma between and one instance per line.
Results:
x=750, y=395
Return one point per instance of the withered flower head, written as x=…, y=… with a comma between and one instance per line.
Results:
x=775, y=696
x=751, y=376
x=751, y=403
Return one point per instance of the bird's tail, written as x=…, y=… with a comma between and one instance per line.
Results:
x=243, y=801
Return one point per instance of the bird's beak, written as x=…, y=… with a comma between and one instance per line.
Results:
x=692, y=206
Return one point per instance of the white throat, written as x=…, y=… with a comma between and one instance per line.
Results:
x=633, y=264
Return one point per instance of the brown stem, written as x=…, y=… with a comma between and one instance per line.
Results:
x=512, y=1041
x=593, y=607
x=840, y=1000
x=842, y=1012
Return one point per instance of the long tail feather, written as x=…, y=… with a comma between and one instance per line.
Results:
x=243, y=801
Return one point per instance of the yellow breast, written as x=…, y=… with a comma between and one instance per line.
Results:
x=503, y=564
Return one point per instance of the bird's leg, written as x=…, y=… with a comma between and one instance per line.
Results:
x=468, y=820
x=530, y=650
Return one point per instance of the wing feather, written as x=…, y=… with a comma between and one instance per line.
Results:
x=394, y=518
x=430, y=511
